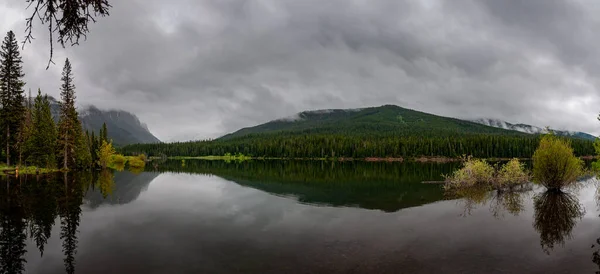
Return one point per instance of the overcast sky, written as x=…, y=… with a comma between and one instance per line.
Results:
x=198, y=69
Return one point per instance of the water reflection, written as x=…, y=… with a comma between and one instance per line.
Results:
x=556, y=214
x=511, y=201
x=372, y=185
x=30, y=206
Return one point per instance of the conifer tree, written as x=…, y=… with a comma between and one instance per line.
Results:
x=104, y=133
x=69, y=126
x=42, y=142
x=25, y=131
x=11, y=93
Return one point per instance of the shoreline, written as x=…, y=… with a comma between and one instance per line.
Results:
x=423, y=159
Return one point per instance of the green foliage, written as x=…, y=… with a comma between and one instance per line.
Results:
x=118, y=159
x=42, y=143
x=136, y=162
x=11, y=95
x=554, y=163
x=74, y=148
x=511, y=174
x=474, y=171
x=369, y=145
x=384, y=120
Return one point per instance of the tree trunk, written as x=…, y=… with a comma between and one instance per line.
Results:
x=65, y=152
x=7, y=145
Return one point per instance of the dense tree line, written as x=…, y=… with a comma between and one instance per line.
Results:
x=320, y=146
x=28, y=133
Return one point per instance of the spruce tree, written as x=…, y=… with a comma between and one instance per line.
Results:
x=25, y=131
x=104, y=132
x=43, y=137
x=69, y=125
x=11, y=93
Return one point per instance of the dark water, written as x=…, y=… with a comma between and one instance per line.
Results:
x=290, y=217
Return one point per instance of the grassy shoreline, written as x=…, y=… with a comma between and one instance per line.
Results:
x=27, y=170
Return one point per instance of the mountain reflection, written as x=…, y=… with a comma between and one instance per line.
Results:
x=556, y=214
x=382, y=186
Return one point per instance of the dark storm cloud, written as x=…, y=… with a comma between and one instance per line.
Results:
x=196, y=69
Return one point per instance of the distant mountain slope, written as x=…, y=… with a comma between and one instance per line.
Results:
x=532, y=129
x=123, y=127
x=384, y=120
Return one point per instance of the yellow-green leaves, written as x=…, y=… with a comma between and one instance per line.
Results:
x=554, y=164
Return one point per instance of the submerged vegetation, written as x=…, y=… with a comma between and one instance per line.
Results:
x=554, y=163
x=479, y=173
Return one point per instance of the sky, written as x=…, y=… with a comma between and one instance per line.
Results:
x=197, y=69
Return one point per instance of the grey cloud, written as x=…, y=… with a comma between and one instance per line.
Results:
x=198, y=69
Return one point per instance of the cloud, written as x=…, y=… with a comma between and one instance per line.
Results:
x=199, y=69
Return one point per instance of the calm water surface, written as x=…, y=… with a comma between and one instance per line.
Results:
x=290, y=217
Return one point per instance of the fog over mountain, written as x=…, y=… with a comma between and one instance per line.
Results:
x=201, y=69
x=123, y=127
x=532, y=129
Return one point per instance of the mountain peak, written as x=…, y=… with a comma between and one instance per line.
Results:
x=385, y=120
x=123, y=127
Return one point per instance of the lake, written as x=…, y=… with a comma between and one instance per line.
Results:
x=290, y=217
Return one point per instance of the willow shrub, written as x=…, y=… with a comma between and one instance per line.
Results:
x=479, y=172
x=118, y=159
x=511, y=174
x=136, y=162
x=554, y=163
x=473, y=172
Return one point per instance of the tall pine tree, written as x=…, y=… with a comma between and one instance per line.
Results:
x=68, y=125
x=11, y=93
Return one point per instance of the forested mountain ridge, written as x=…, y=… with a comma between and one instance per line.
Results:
x=386, y=120
x=123, y=127
x=386, y=131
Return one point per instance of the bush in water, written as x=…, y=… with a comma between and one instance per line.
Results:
x=554, y=164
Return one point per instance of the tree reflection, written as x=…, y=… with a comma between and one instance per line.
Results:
x=30, y=206
x=556, y=214
x=500, y=201
x=69, y=211
x=12, y=234
x=508, y=201
x=106, y=182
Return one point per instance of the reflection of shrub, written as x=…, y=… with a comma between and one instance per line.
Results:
x=511, y=174
x=554, y=164
x=556, y=214
x=474, y=171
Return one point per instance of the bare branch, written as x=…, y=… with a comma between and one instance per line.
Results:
x=69, y=18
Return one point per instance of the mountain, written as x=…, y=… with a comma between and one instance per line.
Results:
x=123, y=127
x=387, y=120
x=533, y=129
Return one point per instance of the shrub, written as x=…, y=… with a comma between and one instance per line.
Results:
x=474, y=171
x=118, y=159
x=554, y=164
x=511, y=174
x=136, y=162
